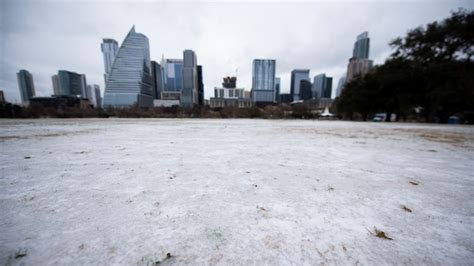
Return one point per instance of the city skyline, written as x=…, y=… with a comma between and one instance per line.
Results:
x=213, y=38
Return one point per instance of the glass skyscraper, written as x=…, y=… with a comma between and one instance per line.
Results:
x=173, y=74
x=69, y=83
x=297, y=76
x=322, y=86
x=26, y=85
x=263, y=80
x=361, y=46
x=130, y=81
x=189, y=94
x=109, y=49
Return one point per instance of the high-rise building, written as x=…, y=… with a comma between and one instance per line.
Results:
x=26, y=85
x=263, y=81
x=359, y=64
x=340, y=85
x=277, y=89
x=322, y=87
x=229, y=95
x=305, y=90
x=2, y=97
x=297, y=76
x=130, y=82
x=69, y=83
x=358, y=67
x=200, y=86
x=189, y=94
x=158, y=75
x=173, y=74
x=109, y=49
x=93, y=94
x=361, y=46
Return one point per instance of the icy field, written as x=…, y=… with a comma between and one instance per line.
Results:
x=242, y=192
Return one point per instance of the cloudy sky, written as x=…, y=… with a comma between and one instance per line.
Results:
x=44, y=36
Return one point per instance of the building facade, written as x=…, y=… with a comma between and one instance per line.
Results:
x=68, y=83
x=277, y=89
x=340, y=85
x=173, y=74
x=230, y=95
x=322, y=87
x=361, y=46
x=93, y=94
x=200, y=86
x=158, y=75
x=130, y=81
x=189, y=94
x=109, y=49
x=358, y=67
x=297, y=76
x=26, y=85
x=263, y=80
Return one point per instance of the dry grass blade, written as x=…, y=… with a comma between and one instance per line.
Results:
x=413, y=183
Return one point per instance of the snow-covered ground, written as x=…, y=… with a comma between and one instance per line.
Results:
x=124, y=191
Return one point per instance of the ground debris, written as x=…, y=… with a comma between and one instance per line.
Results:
x=380, y=234
x=405, y=208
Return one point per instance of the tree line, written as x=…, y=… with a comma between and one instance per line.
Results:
x=430, y=75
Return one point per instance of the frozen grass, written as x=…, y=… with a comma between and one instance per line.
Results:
x=235, y=192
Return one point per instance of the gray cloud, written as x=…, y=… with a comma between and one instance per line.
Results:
x=44, y=36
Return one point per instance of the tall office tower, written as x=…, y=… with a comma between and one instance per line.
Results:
x=297, y=76
x=340, y=85
x=173, y=74
x=322, y=87
x=189, y=94
x=26, y=85
x=358, y=67
x=263, y=80
x=130, y=82
x=69, y=83
x=277, y=89
x=305, y=90
x=158, y=75
x=93, y=94
x=361, y=46
x=359, y=64
x=109, y=49
x=2, y=97
x=200, y=86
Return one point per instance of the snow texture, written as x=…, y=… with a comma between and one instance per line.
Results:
x=258, y=192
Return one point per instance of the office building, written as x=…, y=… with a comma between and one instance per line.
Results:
x=129, y=82
x=158, y=75
x=322, y=86
x=93, y=94
x=26, y=85
x=68, y=83
x=263, y=81
x=189, y=93
x=297, y=76
x=109, y=49
x=305, y=90
x=361, y=46
x=358, y=67
x=340, y=85
x=277, y=89
x=200, y=86
x=173, y=74
x=229, y=95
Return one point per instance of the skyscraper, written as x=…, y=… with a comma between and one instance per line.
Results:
x=26, y=85
x=263, y=80
x=158, y=75
x=109, y=49
x=189, y=94
x=340, y=85
x=93, y=94
x=322, y=87
x=173, y=74
x=130, y=82
x=277, y=89
x=297, y=76
x=305, y=90
x=69, y=83
x=361, y=46
x=359, y=64
x=200, y=86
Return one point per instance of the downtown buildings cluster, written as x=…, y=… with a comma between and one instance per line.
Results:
x=132, y=79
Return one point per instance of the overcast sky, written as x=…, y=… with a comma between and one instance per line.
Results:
x=45, y=36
